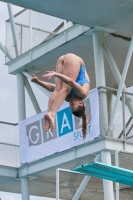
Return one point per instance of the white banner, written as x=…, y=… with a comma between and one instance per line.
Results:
x=36, y=143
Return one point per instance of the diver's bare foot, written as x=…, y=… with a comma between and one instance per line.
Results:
x=51, y=120
x=46, y=123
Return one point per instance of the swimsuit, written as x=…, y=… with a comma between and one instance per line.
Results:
x=81, y=79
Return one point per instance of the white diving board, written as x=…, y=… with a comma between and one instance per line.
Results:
x=109, y=172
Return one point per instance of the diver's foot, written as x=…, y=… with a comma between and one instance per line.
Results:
x=46, y=123
x=51, y=120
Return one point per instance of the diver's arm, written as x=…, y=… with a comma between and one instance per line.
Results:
x=81, y=91
x=47, y=86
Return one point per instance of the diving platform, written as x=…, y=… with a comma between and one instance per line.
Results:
x=111, y=14
x=78, y=40
x=108, y=172
x=41, y=174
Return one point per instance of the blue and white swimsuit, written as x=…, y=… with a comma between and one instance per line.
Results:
x=81, y=79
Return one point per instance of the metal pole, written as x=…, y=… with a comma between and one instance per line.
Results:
x=32, y=96
x=124, y=126
x=37, y=29
x=25, y=189
x=41, y=88
x=57, y=184
x=65, y=25
x=5, y=51
x=30, y=25
x=109, y=100
x=109, y=106
x=21, y=42
x=13, y=28
x=84, y=182
x=108, y=185
x=116, y=73
x=126, y=66
x=99, y=60
x=117, y=165
x=100, y=80
x=21, y=97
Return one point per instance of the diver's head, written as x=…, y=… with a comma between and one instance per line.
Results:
x=78, y=109
x=75, y=103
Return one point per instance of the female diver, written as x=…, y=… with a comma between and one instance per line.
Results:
x=72, y=84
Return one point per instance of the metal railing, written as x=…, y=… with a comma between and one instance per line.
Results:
x=9, y=145
x=123, y=124
x=32, y=28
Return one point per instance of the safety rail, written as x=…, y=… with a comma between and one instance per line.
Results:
x=9, y=144
x=30, y=31
x=123, y=124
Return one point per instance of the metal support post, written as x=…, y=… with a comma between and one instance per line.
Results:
x=32, y=96
x=21, y=42
x=124, y=125
x=85, y=181
x=109, y=106
x=116, y=73
x=30, y=25
x=21, y=97
x=5, y=51
x=99, y=60
x=117, y=165
x=57, y=184
x=40, y=87
x=126, y=66
x=25, y=189
x=109, y=101
x=65, y=24
x=108, y=185
x=100, y=80
x=13, y=28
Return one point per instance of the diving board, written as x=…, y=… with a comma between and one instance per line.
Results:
x=108, y=172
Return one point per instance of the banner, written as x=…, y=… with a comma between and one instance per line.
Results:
x=36, y=143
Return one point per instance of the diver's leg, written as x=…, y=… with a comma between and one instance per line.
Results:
x=70, y=68
x=58, y=86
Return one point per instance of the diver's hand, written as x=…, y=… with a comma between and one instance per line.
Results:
x=49, y=74
x=35, y=79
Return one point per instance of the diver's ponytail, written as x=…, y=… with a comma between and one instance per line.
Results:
x=80, y=112
x=84, y=124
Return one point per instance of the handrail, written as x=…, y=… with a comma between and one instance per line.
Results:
x=115, y=90
x=8, y=123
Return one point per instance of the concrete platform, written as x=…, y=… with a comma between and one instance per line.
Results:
x=42, y=173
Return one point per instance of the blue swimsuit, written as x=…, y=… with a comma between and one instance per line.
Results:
x=81, y=79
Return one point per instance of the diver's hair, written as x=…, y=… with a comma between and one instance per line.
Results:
x=81, y=113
